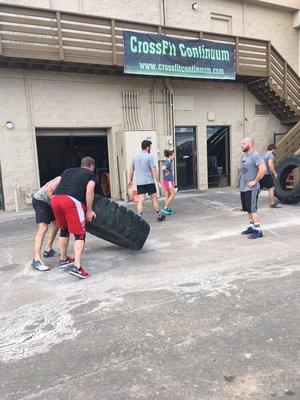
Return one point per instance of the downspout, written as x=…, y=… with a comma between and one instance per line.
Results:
x=244, y=88
x=244, y=111
x=172, y=120
x=244, y=16
x=31, y=130
x=171, y=109
x=163, y=12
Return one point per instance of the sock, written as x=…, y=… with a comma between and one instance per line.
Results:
x=257, y=227
x=251, y=223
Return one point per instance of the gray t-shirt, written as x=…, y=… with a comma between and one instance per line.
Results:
x=41, y=193
x=248, y=170
x=142, y=164
x=268, y=156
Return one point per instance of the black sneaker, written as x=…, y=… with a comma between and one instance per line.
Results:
x=256, y=234
x=79, y=272
x=66, y=263
x=161, y=217
x=274, y=205
x=50, y=253
x=248, y=231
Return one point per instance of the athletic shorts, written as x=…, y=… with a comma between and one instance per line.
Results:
x=266, y=182
x=168, y=185
x=150, y=189
x=69, y=213
x=249, y=200
x=43, y=212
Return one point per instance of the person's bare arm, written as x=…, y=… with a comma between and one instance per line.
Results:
x=131, y=173
x=90, y=214
x=155, y=175
x=260, y=173
x=52, y=186
x=272, y=168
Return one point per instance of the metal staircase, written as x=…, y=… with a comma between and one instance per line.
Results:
x=280, y=93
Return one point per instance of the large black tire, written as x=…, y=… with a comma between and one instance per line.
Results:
x=282, y=193
x=118, y=225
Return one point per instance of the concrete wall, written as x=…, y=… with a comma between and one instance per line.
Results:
x=232, y=105
x=258, y=20
x=277, y=26
x=39, y=100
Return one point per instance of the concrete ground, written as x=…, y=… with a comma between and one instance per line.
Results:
x=201, y=313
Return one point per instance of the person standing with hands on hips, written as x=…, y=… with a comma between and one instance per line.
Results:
x=252, y=168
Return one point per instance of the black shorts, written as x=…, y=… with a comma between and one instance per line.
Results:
x=249, y=200
x=150, y=189
x=43, y=212
x=266, y=182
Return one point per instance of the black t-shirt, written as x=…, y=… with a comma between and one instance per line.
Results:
x=74, y=181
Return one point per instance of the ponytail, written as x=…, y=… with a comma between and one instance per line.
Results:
x=168, y=153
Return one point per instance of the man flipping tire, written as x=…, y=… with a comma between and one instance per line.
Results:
x=72, y=206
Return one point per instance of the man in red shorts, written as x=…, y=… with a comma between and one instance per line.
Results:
x=72, y=206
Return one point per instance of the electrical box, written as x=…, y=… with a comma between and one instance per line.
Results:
x=129, y=144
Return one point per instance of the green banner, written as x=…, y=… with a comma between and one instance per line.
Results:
x=147, y=54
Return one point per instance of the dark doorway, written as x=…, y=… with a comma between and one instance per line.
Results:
x=186, y=157
x=57, y=153
x=218, y=155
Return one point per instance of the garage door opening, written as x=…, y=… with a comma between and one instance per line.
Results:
x=60, y=149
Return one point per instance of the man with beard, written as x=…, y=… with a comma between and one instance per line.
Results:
x=143, y=166
x=252, y=169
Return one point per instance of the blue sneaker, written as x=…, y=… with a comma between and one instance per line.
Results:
x=166, y=211
x=256, y=234
x=248, y=231
x=171, y=211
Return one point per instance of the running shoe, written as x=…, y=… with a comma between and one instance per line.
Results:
x=256, y=234
x=166, y=211
x=161, y=218
x=67, y=262
x=39, y=265
x=248, y=231
x=275, y=205
x=50, y=253
x=79, y=272
x=171, y=211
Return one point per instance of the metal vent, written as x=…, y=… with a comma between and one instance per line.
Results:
x=261, y=110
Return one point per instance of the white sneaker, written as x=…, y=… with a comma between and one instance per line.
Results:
x=39, y=265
